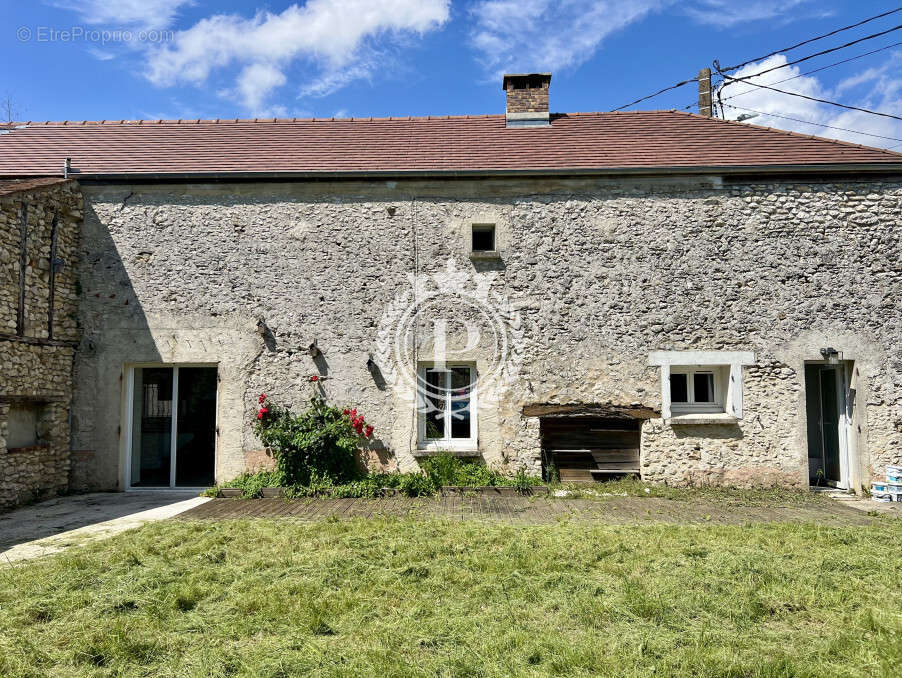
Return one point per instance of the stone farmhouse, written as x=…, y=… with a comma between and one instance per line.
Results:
x=662, y=293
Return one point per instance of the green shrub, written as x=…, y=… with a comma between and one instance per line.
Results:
x=416, y=484
x=316, y=446
x=252, y=484
x=446, y=469
x=440, y=470
x=370, y=485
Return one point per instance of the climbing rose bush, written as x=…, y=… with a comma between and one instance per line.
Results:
x=317, y=445
x=357, y=421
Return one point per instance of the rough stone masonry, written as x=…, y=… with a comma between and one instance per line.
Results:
x=39, y=243
x=245, y=276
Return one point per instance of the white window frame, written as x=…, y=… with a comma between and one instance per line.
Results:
x=728, y=364
x=447, y=443
x=692, y=405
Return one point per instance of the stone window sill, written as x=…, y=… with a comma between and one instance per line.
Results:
x=702, y=418
x=464, y=452
x=485, y=255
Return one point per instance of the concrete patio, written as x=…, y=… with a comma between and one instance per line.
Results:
x=53, y=525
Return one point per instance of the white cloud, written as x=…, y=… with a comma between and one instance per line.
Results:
x=728, y=13
x=334, y=79
x=540, y=35
x=876, y=89
x=545, y=35
x=100, y=54
x=256, y=82
x=335, y=38
x=121, y=13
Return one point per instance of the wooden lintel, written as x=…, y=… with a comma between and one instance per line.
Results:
x=18, y=398
x=606, y=411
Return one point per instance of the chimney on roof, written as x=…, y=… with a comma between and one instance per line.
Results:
x=704, y=92
x=527, y=99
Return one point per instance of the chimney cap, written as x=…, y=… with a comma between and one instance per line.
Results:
x=544, y=78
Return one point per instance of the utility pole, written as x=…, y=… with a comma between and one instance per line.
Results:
x=704, y=92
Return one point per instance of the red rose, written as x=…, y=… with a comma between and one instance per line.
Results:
x=314, y=378
x=346, y=411
x=354, y=412
x=369, y=431
x=261, y=398
x=260, y=414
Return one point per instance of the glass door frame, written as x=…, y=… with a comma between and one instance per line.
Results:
x=844, y=418
x=128, y=420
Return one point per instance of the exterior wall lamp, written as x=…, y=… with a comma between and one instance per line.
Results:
x=831, y=355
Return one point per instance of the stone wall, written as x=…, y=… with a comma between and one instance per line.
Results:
x=36, y=356
x=600, y=273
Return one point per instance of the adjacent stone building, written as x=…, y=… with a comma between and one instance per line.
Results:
x=694, y=300
x=39, y=241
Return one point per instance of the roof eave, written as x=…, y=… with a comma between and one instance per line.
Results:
x=769, y=170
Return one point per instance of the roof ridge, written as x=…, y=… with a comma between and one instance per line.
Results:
x=219, y=121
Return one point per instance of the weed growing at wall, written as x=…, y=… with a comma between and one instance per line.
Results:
x=437, y=471
x=445, y=469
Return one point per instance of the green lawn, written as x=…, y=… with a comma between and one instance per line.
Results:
x=405, y=598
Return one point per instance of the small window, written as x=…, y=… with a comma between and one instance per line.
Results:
x=483, y=237
x=697, y=390
x=446, y=404
x=22, y=428
x=701, y=383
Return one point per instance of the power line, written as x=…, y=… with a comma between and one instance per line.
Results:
x=650, y=96
x=721, y=70
x=809, y=122
x=824, y=101
x=816, y=70
x=810, y=40
x=810, y=56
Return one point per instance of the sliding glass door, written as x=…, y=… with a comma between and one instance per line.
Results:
x=173, y=426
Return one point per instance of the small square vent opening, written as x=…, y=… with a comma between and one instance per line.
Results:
x=483, y=237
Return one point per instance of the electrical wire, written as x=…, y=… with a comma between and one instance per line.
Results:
x=720, y=70
x=817, y=70
x=810, y=56
x=650, y=96
x=810, y=40
x=825, y=101
x=809, y=122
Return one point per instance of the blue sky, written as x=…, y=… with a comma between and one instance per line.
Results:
x=194, y=58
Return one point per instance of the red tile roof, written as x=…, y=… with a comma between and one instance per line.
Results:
x=626, y=141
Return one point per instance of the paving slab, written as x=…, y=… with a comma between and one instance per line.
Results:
x=613, y=510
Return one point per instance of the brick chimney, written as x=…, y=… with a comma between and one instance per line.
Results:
x=527, y=99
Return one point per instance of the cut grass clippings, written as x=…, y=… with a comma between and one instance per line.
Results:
x=432, y=598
